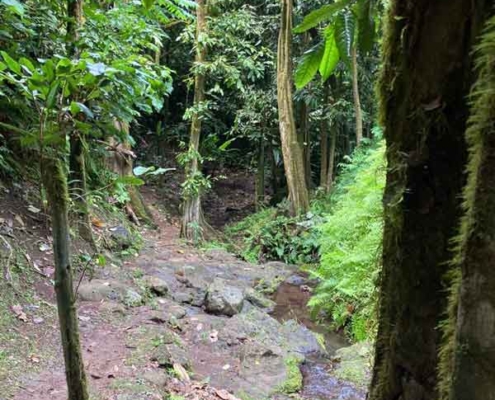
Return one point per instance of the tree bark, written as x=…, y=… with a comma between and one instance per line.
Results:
x=291, y=149
x=474, y=359
x=77, y=166
x=55, y=183
x=331, y=158
x=194, y=225
x=260, y=175
x=358, y=112
x=324, y=153
x=305, y=142
x=424, y=85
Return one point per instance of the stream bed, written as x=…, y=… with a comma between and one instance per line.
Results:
x=319, y=380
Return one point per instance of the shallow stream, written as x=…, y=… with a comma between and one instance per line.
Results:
x=291, y=301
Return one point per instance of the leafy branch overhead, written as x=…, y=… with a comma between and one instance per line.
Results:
x=339, y=24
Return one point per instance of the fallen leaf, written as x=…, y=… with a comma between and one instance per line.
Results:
x=48, y=271
x=33, y=209
x=83, y=318
x=34, y=359
x=224, y=395
x=44, y=247
x=19, y=313
x=181, y=372
x=199, y=327
x=19, y=220
x=98, y=223
x=226, y=367
x=214, y=336
x=38, y=320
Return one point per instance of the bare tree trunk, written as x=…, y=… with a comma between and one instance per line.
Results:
x=291, y=149
x=324, y=141
x=77, y=166
x=473, y=369
x=305, y=142
x=194, y=225
x=331, y=158
x=260, y=175
x=55, y=183
x=357, y=100
x=424, y=85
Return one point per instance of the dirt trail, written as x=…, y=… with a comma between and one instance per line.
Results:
x=174, y=309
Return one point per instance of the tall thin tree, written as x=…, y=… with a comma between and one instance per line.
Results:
x=193, y=220
x=291, y=149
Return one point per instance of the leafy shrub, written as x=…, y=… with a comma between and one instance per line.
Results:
x=350, y=243
x=272, y=235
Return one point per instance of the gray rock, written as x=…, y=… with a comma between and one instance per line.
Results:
x=156, y=285
x=166, y=355
x=258, y=299
x=296, y=280
x=223, y=298
x=121, y=237
x=301, y=339
x=99, y=290
x=183, y=297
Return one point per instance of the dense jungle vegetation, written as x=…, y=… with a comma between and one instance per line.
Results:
x=347, y=142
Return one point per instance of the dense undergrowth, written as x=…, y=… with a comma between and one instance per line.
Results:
x=338, y=242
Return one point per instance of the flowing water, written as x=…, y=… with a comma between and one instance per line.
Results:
x=291, y=301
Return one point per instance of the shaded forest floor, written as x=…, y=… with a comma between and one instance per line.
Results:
x=171, y=319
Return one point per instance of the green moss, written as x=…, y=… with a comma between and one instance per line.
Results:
x=294, y=381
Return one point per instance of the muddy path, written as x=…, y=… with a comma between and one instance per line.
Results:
x=201, y=325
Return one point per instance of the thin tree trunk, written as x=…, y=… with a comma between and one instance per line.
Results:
x=291, y=150
x=324, y=153
x=474, y=359
x=424, y=85
x=324, y=141
x=77, y=165
x=260, y=175
x=357, y=100
x=305, y=141
x=274, y=170
x=55, y=183
x=194, y=225
x=331, y=158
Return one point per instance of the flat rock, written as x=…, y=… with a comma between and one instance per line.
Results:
x=99, y=290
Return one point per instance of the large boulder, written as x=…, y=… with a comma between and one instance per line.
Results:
x=224, y=298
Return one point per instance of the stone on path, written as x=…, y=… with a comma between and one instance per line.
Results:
x=224, y=298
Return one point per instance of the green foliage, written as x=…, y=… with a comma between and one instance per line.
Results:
x=320, y=15
x=309, y=65
x=351, y=246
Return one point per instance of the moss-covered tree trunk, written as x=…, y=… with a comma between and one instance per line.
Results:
x=260, y=175
x=77, y=166
x=55, y=182
x=473, y=366
x=291, y=149
x=194, y=224
x=358, y=112
x=424, y=84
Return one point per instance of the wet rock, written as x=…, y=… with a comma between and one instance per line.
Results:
x=354, y=363
x=99, y=290
x=301, y=339
x=296, y=280
x=223, y=298
x=156, y=285
x=258, y=299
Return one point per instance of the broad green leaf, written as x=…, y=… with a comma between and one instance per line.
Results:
x=129, y=180
x=27, y=63
x=15, y=5
x=331, y=55
x=308, y=65
x=52, y=95
x=76, y=107
x=344, y=35
x=11, y=63
x=366, y=26
x=148, y=3
x=3, y=67
x=322, y=14
x=101, y=260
